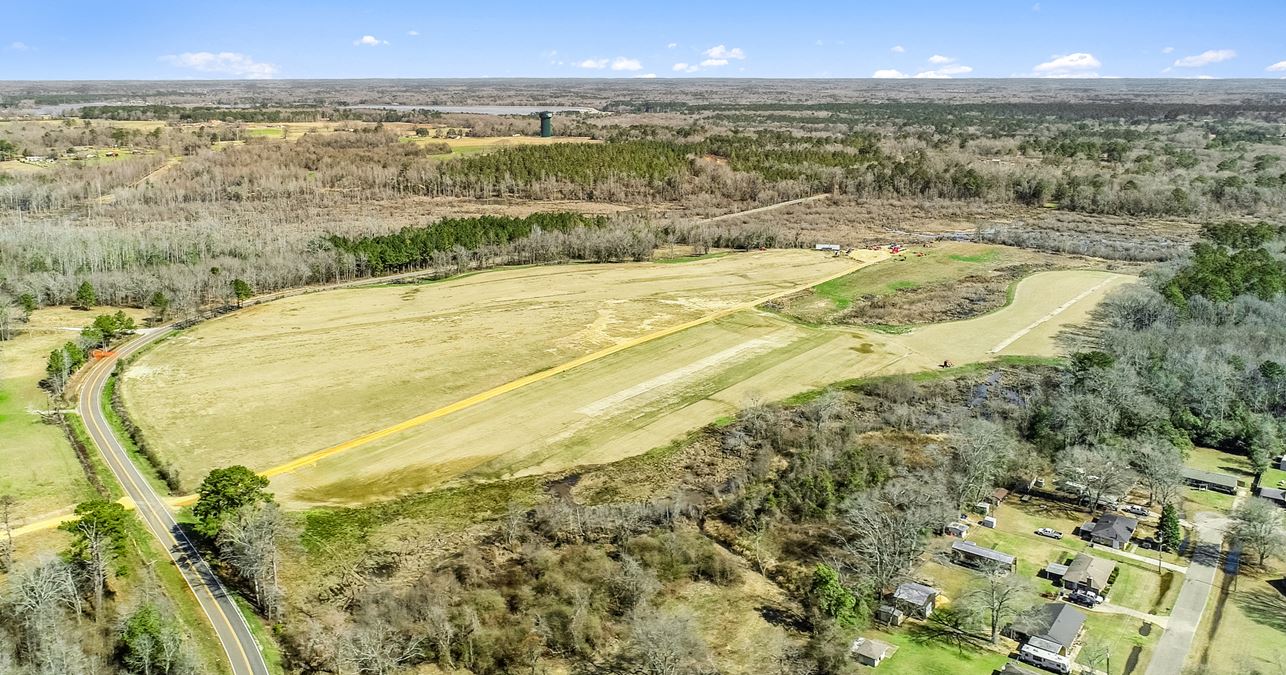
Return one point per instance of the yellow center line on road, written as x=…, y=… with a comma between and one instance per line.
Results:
x=95, y=381
x=314, y=457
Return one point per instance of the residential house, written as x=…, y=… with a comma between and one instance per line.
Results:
x=870, y=652
x=1274, y=495
x=917, y=600
x=1054, y=627
x=973, y=555
x=1208, y=480
x=1111, y=530
x=1088, y=573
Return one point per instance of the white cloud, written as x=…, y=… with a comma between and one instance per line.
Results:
x=944, y=73
x=1167, y=50
x=1035, y=7
x=1278, y=67
x=646, y=76
x=672, y=45
x=413, y=33
x=1205, y=58
x=222, y=63
x=593, y=64
x=19, y=46
x=714, y=63
x=897, y=49
x=623, y=63
x=888, y=74
x=1080, y=64
x=684, y=68
x=718, y=52
x=940, y=59
x=369, y=41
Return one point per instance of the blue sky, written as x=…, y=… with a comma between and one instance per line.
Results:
x=75, y=39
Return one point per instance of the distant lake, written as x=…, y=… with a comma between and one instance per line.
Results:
x=482, y=109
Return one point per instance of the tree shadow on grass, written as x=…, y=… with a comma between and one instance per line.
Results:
x=1265, y=607
x=946, y=627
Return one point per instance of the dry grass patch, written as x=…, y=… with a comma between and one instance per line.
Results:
x=275, y=381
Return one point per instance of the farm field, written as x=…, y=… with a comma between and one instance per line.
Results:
x=41, y=469
x=275, y=381
x=252, y=387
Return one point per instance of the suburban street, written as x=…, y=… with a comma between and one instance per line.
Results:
x=1172, y=649
x=220, y=607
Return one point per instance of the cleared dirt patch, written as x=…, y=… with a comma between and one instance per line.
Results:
x=276, y=381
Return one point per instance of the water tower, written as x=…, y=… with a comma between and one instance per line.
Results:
x=546, y=124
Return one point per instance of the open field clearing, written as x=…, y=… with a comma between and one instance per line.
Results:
x=40, y=468
x=236, y=390
x=1044, y=304
x=275, y=381
x=943, y=282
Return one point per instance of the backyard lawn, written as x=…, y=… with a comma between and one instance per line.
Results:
x=917, y=655
x=1128, y=648
x=1244, y=627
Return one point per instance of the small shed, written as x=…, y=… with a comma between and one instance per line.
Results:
x=870, y=652
x=890, y=615
x=989, y=521
x=917, y=600
x=1054, y=571
x=998, y=496
x=982, y=508
x=959, y=530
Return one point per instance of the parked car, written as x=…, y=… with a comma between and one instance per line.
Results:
x=1148, y=543
x=1085, y=598
x=1049, y=532
x=1136, y=510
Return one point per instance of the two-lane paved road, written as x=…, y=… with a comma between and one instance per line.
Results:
x=244, y=654
x=1174, y=645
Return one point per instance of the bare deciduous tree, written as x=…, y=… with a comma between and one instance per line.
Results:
x=1103, y=470
x=998, y=598
x=248, y=542
x=884, y=530
x=667, y=643
x=1257, y=526
x=982, y=454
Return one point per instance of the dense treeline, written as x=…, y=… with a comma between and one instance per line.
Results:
x=414, y=247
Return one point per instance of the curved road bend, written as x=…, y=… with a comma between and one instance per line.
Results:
x=219, y=606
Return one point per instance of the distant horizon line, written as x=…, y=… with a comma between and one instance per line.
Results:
x=926, y=81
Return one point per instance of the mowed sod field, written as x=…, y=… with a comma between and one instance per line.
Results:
x=290, y=378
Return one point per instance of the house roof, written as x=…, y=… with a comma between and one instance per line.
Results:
x=1209, y=477
x=1086, y=568
x=916, y=594
x=1057, y=622
x=1273, y=494
x=1114, y=527
x=970, y=548
x=872, y=649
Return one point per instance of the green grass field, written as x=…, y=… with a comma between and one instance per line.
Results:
x=936, y=266
x=919, y=656
x=1129, y=649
